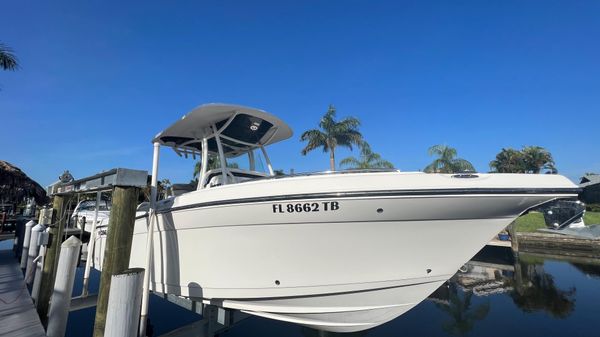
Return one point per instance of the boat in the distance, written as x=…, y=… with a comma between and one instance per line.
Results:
x=84, y=213
x=337, y=251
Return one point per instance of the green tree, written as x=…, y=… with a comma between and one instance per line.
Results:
x=164, y=188
x=368, y=159
x=536, y=159
x=463, y=315
x=530, y=159
x=447, y=161
x=8, y=60
x=332, y=134
x=213, y=163
x=535, y=290
x=508, y=161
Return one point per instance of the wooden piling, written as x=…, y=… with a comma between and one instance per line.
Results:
x=514, y=242
x=124, y=303
x=50, y=260
x=118, y=247
x=63, y=287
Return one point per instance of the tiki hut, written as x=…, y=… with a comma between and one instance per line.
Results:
x=16, y=186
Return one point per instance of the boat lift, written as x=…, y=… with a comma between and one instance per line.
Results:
x=98, y=183
x=215, y=320
x=125, y=185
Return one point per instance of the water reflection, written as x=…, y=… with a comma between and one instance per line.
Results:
x=496, y=271
x=463, y=314
x=535, y=290
x=590, y=270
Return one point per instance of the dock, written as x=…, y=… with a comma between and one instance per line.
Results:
x=18, y=317
x=7, y=236
x=555, y=244
x=499, y=243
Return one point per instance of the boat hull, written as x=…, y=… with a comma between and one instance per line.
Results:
x=309, y=260
x=335, y=261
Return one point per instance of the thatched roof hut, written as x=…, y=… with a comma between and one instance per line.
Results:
x=16, y=186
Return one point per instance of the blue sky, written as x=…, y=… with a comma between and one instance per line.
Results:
x=99, y=79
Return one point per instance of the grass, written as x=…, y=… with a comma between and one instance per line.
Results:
x=591, y=218
x=532, y=221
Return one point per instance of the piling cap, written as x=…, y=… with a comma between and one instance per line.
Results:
x=72, y=241
x=130, y=271
x=38, y=228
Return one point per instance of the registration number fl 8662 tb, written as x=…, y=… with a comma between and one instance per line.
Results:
x=323, y=206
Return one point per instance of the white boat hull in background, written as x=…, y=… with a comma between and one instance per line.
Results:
x=390, y=240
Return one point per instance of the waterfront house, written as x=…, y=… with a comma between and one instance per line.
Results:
x=590, y=184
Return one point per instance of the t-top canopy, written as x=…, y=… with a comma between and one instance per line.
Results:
x=240, y=129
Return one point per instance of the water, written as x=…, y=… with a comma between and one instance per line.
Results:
x=493, y=295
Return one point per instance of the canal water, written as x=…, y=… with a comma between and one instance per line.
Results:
x=494, y=294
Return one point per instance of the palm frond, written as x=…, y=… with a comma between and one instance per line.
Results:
x=436, y=150
x=462, y=165
x=8, y=60
x=315, y=139
x=348, y=123
x=433, y=167
x=351, y=162
x=382, y=163
x=349, y=138
x=328, y=120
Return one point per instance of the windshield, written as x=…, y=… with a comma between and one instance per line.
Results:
x=251, y=161
x=90, y=205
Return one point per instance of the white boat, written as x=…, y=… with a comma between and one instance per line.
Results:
x=337, y=251
x=84, y=212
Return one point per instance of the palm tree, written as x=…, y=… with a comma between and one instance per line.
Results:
x=332, y=134
x=8, y=60
x=368, y=159
x=531, y=159
x=213, y=163
x=447, y=161
x=508, y=161
x=537, y=158
x=463, y=314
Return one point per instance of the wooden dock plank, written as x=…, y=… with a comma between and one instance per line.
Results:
x=7, y=236
x=18, y=317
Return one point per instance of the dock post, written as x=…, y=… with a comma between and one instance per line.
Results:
x=118, y=247
x=52, y=253
x=26, y=238
x=37, y=279
x=63, y=287
x=32, y=253
x=124, y=303
x=514, y=243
